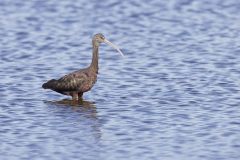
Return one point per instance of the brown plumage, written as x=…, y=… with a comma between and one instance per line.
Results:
x=78, y=82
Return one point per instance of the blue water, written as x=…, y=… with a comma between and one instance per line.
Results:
x=175, y=94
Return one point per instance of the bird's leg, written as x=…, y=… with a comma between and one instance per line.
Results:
x=80, y=95
x=74, y=96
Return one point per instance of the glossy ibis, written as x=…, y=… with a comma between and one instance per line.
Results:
x=78, y=82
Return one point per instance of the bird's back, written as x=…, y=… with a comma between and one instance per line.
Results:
x=78, y=81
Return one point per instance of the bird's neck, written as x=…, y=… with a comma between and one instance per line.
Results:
x=94, y=64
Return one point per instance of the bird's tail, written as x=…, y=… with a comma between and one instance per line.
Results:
x=49, y=84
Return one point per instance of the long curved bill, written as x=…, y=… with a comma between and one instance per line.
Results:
x=114, y=46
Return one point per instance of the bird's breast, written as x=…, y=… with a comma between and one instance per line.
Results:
x=89, y=83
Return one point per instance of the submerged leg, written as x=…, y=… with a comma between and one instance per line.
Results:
x=80, y=95
x=74, y=96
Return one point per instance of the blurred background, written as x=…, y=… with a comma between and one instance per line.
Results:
x=175, y=94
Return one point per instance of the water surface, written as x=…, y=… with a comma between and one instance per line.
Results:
x=175, y=95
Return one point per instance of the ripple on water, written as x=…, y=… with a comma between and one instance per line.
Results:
x=173, y=96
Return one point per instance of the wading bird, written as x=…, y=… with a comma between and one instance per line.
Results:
x=78, y=82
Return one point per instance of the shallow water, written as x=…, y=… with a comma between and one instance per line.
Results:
x=175, y=94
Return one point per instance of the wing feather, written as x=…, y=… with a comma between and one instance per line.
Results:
x=70, y=82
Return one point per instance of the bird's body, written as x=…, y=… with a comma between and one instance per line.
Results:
x=78, y=82
x=73, y=84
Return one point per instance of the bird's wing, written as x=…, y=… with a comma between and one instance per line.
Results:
x=70, y=82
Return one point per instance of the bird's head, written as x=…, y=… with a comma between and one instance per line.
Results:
x=99, y=38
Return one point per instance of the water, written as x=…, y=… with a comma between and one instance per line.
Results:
x=175, y=95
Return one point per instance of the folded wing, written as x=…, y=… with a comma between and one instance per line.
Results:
x=71, y=82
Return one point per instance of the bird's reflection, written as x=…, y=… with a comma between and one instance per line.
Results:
x=74, y=103
x=86, y=109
